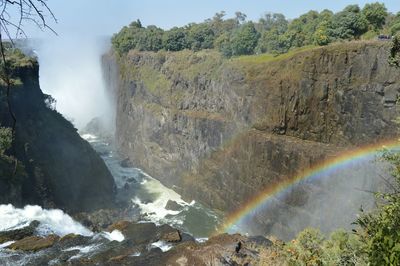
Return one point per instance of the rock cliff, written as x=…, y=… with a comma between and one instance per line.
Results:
x=219, y=130
x=58, y=168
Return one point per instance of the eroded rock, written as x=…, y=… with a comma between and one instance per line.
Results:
x=34, y=243
x=19, y=234
x=173, y=206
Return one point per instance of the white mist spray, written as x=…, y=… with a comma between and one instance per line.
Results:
x=70, y=71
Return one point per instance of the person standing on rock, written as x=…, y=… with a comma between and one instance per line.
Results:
x=238, y=247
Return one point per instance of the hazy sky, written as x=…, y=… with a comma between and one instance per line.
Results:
x=104, y=17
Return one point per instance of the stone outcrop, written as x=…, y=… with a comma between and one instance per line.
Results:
x=139, y=247
x=219, y=130
x=18, y=234
x=58, y=168
x=34, y=243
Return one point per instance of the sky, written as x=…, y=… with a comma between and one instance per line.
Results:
x=105, y=17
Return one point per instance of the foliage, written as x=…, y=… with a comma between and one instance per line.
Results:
x=348, y=24
x=310, y=247
x=222, y=43
x=273, y=33
x=175, y=40
x=394, y=57
x=201, y=36
x=14, y=60
x=127, y=38
x=321, y=34
x=380, y=230
x=50, y=101
x=244, y=39
x=150, y=39
x=376, y=14
x=305, y=249
x=273, y=42
x=5, y=139
x=392, y=23
x=274, y=21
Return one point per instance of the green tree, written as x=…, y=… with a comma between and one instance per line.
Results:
x=240, y=17
x=321, y=34
x=128, y=38
x=394, y=23
x=394, y=57
x=348, y=24
x=5, y=139
x=150, y=39
x=306, y=249
x=380, y=229
x=376, y=14
x=274, y=21
x=201, y=36
x=175, y=39
x=223, y=44
x=244, y=39
x=273, y=42
x=301, y=30
x=221, y=26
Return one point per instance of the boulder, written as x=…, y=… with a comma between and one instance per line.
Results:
x=126, y=163
x=173, y=206
x=169, y=234
x=34, y=243
x=173, y=237
x=19, y=234
x=138, y=233
x=100, y=219
x=72, y=240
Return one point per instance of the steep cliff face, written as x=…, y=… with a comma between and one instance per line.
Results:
x=59, y=168
x=219, y=130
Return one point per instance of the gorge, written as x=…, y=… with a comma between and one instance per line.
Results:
x=214, y=130
x=221, y=130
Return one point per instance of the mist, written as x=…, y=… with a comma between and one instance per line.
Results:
x=330, y=201
x=70, y=71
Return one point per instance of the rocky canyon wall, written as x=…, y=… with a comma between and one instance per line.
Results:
x=56, y=169
x=220, y=130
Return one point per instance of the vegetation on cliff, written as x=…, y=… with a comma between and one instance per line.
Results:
x=273, y=33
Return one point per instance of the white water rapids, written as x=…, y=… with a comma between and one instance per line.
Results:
x=151, y=197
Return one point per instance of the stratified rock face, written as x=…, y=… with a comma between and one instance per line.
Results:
x=220, y=130
x=61, y=169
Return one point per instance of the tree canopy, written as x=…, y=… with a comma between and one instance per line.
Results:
x=273, y=33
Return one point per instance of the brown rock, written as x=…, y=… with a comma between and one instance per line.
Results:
x=174, y=236
x=34, y=243
x=173, y=206
x=120, y=225
x=19, y=234
x=73, y=240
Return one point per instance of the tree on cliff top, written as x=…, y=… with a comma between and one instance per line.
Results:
x=376, y=14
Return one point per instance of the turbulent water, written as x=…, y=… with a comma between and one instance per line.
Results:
x=330, y=201
x=151, y=197
x=147, y=194
x=51, y=221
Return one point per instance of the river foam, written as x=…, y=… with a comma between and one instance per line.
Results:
x=51, y=221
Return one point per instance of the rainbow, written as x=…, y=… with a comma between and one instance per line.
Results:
x=334, y=163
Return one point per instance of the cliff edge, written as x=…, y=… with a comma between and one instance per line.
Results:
x=58, y=169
